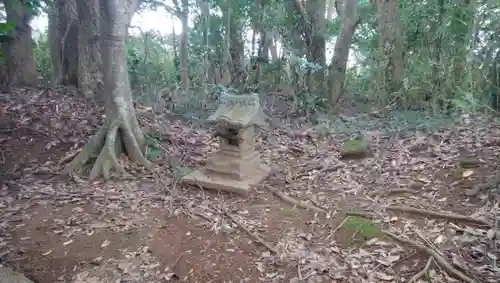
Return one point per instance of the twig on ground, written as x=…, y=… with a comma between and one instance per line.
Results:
x=390, y=192
x=439, y=259
x=293, y=201
x=360, y=214
x=251, y=234
x=299, y=269
x=433, y=214
x=338, y=227
x=422, y=272
x=68, y=158
x=322, y=169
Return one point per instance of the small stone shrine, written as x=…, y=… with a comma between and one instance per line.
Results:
x=236, y=166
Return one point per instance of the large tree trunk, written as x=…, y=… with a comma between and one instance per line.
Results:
x=121, y=131
x=90, y=81
x=21, y=67
x=391, y=43
x=349, y=21
x=63, y=31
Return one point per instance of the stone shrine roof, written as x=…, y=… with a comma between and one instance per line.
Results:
x=240, y=111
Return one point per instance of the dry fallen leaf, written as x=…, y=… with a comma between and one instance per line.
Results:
x=47, y=253
x=467, y=173
x=439, y=239
x=385, y=277
x=105, y=244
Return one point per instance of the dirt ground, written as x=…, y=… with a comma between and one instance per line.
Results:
x=148, y=228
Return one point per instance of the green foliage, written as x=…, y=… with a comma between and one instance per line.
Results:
x=5, y=28
x=42, y=58
x=154, y=148
x=354, y=145
x=150, y=63
x=449, y=48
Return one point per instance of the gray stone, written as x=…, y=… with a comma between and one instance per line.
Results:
x=7, y=275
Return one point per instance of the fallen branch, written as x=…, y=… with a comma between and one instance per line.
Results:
x=422, y=272
x=438, y=258
x=293, y=201
x=433, y=214
x=254, y=236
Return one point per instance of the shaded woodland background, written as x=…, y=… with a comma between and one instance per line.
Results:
x=440, y=56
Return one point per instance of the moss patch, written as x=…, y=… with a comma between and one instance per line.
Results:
x=354, y=149
x=291, y=213
x=356, y=231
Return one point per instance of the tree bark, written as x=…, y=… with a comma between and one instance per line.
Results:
x=312, y=26
x=329, y=10
x=226, y=60
x=21, y=67
x=184, y=46
x=64, y=33
x=349, y=22
x=121, y=131
x=391, y=43
x=90, y=77
x=205, y=9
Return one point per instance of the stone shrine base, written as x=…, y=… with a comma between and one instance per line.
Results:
x=212, y=181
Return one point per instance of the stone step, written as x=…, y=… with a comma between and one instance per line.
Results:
x=7, y=275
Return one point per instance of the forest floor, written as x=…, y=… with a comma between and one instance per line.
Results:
x=152, y=229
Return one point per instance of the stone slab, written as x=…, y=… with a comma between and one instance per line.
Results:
x=7, y=275
x=222, y=183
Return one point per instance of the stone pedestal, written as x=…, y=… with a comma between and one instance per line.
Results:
x=236, y=167
x=214, y=181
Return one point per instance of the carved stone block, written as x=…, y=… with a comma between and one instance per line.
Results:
x=236, y=167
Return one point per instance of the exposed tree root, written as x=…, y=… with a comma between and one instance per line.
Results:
x=422, y=272
x=111, y=140
x=293, y=201
x=437, y=258
x=251, y=234
x=448, y=216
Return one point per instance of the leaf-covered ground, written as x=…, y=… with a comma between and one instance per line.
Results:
x=320, y=217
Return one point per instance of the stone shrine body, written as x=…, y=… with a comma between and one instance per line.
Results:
x=236, y=167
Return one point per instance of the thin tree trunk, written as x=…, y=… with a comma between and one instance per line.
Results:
x=349, y=22
x=273, y=48
x=329, y=11
x=184, y=46
x=175, y=48
x=226, y=61
x=21, y=67
x=54, y=46
x=206, y=64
